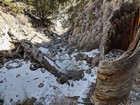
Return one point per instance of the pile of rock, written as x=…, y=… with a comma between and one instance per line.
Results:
x=113, y=54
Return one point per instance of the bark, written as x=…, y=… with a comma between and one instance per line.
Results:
x=115, y=78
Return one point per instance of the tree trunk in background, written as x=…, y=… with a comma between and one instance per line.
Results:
x=121, y=31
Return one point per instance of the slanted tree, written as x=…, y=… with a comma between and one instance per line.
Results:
x=43, y=9
x=115, y=78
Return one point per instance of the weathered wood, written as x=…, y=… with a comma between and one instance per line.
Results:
x=32, y=52
x=35, y=54
x=115, y=78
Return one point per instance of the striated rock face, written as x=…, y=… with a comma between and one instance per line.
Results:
x=92, y=22
x=87, y=26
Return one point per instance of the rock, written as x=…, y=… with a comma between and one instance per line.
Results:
x=34, y=66
x=113, y=54
x=74, y=75
x=42, y=70
x=13, y=64
x=72, y=85
x=88, y=71
x=18, y=75
x=96, y=60
x=1, y=101
x=89, y=60
x=80, y=57
x=1, y=81
x=84, y=79
x=40, y=85
x=61, y=80
x=39, y=103
x=27, y=101
x=71, y=50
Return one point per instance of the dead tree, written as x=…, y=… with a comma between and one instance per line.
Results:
x=34, y=54
x=115, y=78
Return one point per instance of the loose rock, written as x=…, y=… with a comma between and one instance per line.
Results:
x=113, y=54
x=40, y=85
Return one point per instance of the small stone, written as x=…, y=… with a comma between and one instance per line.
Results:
x=61, y=80
x=68, y=83
x=92, y=75
x=18, y=75
x=40, y=85
x=80, y=57
x=1, y=101
x=60, y=50
x=33, y=99
x=84, y=79
x=113, y=54
x=11, y=99
x=88, y=71
x=95, y=60
x=89, y=60
x=39, y=103
x=43, y=70
x=35, y=78
x=72, y=85
x=1, y=81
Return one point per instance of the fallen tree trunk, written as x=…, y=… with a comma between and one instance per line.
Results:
x=115, y=78
x=35, y=54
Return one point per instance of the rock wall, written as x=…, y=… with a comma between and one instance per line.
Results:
x=87, y=26
x=92, y=22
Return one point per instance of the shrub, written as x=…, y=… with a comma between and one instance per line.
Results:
x=11, y=7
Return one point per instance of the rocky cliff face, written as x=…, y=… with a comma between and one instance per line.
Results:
x=92, y=22
x=87, y=26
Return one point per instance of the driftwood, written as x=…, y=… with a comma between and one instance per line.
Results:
x=34, y=54
x=115, y=78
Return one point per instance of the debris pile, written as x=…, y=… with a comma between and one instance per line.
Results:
x=113, y=54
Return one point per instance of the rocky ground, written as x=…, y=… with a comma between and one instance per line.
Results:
x=20, y=81
x=42, y=85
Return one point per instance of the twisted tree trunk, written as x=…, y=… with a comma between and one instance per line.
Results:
x=115, y=78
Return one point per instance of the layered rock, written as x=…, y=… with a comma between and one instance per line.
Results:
x=87, y=26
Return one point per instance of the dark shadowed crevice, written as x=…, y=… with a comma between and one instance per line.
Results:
x=125, y=23
x=115, y=78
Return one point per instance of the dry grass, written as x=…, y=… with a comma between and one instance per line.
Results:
x=63, y=101
x=22, y=19
x=27, y=101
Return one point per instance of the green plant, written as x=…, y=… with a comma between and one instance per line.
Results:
x=11, y=7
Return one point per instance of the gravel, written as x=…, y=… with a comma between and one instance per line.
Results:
x=113, y=54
